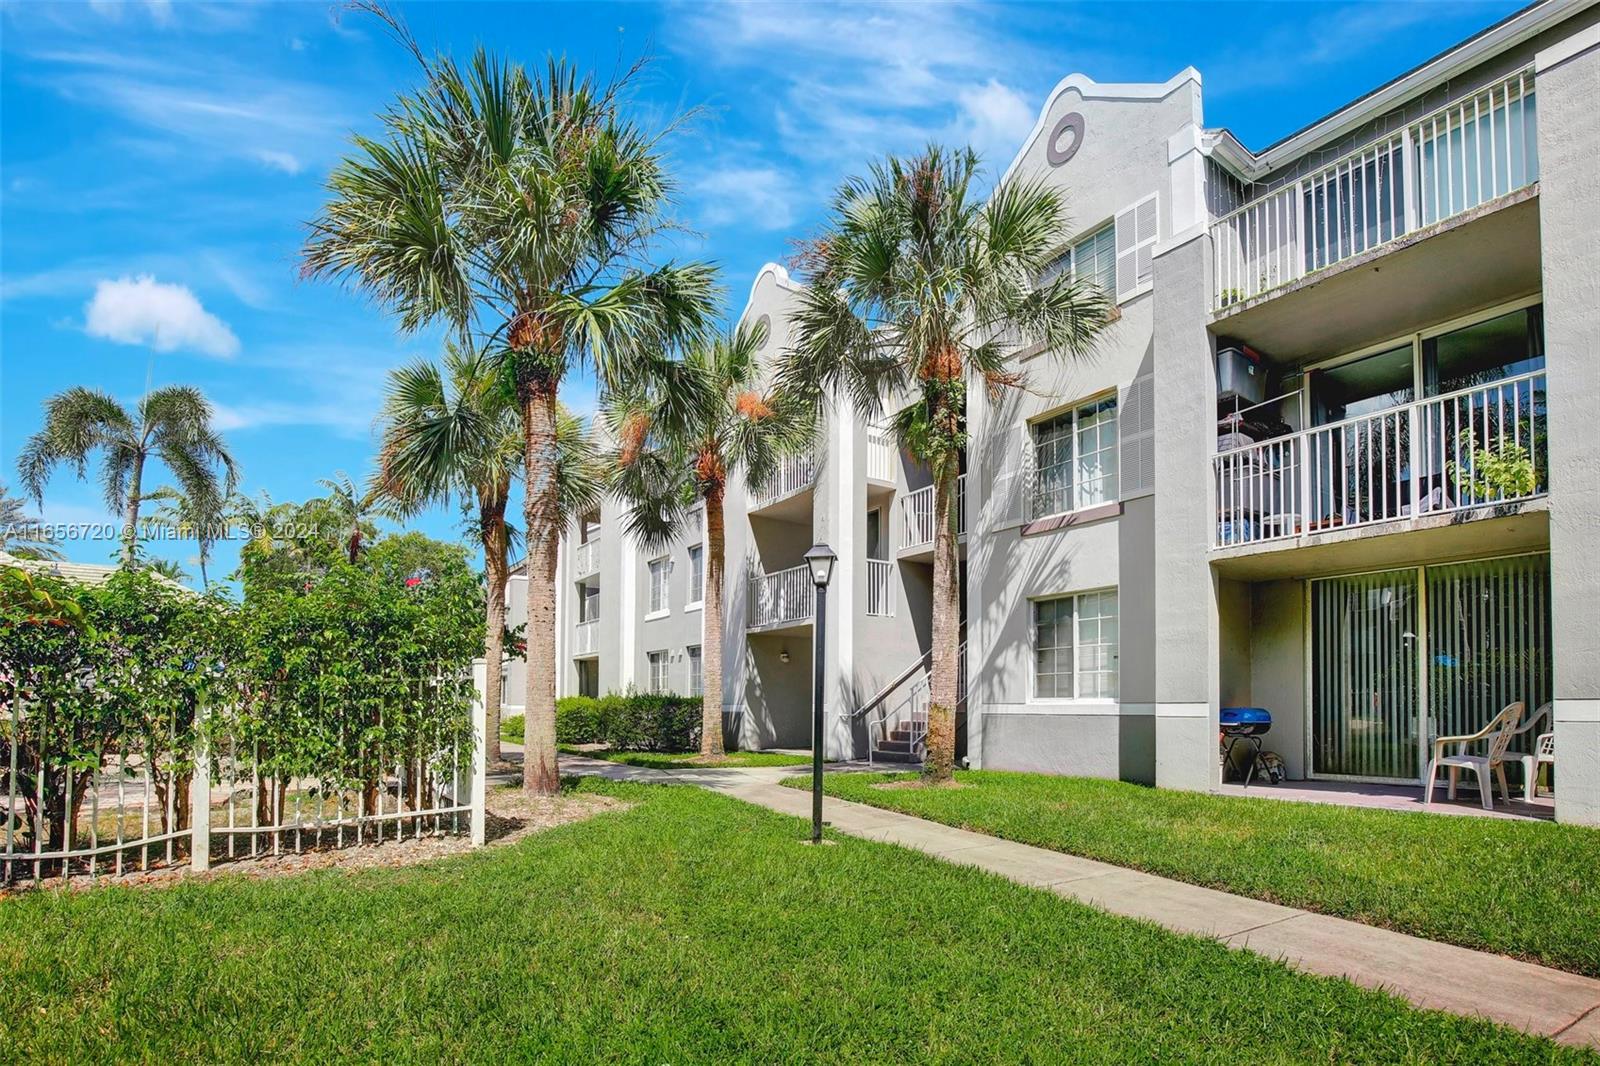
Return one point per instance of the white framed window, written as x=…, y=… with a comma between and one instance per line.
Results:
x=697, y=684
x=1075, y=646
x=1093, y=257
x=1075, y=459
x=660, y=595
x=588, y=603
x=659, y=681
x=1137, y=227
x=697, y=575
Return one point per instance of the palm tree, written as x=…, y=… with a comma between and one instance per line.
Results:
x=22, y=535
x=524, y=209
x=172, y=424
x=917, y=289
x=198, y=517
x=454, y=432
x=684, y=433
x=349, y=510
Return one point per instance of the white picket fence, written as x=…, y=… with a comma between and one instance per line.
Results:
x=207, y=792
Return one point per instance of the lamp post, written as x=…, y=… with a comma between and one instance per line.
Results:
x=820, y=559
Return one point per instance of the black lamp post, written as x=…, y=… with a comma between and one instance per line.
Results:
x=820, y=559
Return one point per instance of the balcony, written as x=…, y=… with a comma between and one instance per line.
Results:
x=586, y=639
x=781, y=598
x=916, y=515
x=1483, y=447
x=586, y=559
x=1436, y=169
x=880, y=588
x=880, y=456
x=795, y=474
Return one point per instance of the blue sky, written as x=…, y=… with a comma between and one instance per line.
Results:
x=160, y=160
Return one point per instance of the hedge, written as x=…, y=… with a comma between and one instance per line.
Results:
x=630, y=722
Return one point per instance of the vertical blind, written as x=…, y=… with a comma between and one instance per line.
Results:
x=1485, y=639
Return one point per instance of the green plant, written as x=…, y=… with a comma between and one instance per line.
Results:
x=686, y=428
x=172, y=424
x=918, y=286
x=524, y=209
x=1504, y=472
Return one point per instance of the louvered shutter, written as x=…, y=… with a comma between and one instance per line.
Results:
x=1007, y=504
x=1136, y=430
x=1137, y=229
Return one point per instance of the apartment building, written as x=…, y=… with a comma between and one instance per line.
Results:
x=1332, y=459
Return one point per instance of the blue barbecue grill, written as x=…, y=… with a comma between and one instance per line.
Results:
x=1246, y=725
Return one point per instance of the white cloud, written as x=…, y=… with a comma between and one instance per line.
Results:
x=276, y=160
x=759, y=197
x=160, y=10
x=994, y=120
x=165, y=317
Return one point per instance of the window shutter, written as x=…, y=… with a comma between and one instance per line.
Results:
x=1137, y=229
x=1136, y=428
x=1007, y=504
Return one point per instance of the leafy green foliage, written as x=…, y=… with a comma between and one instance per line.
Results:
x=21, y=534
x=1505, y=472
x=690, y=928
x=630, y=722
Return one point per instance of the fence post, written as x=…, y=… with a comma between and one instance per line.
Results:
x=480, y=754
x=200, y=795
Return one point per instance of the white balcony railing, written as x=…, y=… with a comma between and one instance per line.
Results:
x=586, y=638
x=880, y=455
x=1473, y=448
x=1440, y=166
x=916, y=512
x=780, y=598
x=586, y=558
x=794, y=474
x=880, y=588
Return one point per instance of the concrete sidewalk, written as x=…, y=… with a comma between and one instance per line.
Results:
x=1428, y=974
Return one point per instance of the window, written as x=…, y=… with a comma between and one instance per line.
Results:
x=1075, y=647
x=697, y=574
x=1075, y=459
x=1502, y=347
x=660, y=599
x=658, y=672
x=588, y=603
x=875, y=544
x=1093, y=257
x=697, y=685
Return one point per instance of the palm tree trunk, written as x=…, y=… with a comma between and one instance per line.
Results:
x=939, y=763
x=711, y=742
x=541, y=514
x=130, y=525
x=492, y=520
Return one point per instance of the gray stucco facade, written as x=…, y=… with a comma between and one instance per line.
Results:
x=1195, y=607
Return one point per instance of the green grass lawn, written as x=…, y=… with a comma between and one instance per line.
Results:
x=1530, y=889
x=655, y=760
x=688, y=928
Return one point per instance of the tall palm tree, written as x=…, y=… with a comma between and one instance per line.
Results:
x=918, y=288
x=453, y=432
x=173, y=424
x=683, y=433
x=523, y=209
x=22, y=535
x=348, y=509
x=200, y=518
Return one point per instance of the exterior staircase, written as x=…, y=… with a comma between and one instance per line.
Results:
x=896, y=716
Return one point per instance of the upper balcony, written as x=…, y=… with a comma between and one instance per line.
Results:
x=1373, y=233
x=1428, y=464
x=586, y=639
x=782, y=494
x=780, y=599
x=917, y=524
x=586, y=558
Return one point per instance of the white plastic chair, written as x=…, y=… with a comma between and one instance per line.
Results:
x=1544, y=751
x=1485, y=767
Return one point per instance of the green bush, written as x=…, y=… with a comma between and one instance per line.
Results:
x=511, y=728
x=630, y=722
x=578, y=720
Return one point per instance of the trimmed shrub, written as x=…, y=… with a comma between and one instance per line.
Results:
x=630, y=722
x=511, y=728
x=578, y=720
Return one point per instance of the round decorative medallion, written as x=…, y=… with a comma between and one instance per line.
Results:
x=1072, y=123
x=764, y=328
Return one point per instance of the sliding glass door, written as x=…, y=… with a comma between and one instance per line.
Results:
x=1482, y=629
x=1364, y=676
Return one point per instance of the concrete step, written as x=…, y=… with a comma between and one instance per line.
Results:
x=891, y=755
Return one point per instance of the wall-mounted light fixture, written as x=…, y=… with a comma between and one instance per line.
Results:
x=783, y=655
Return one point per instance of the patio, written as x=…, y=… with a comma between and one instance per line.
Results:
x=1398, y=798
